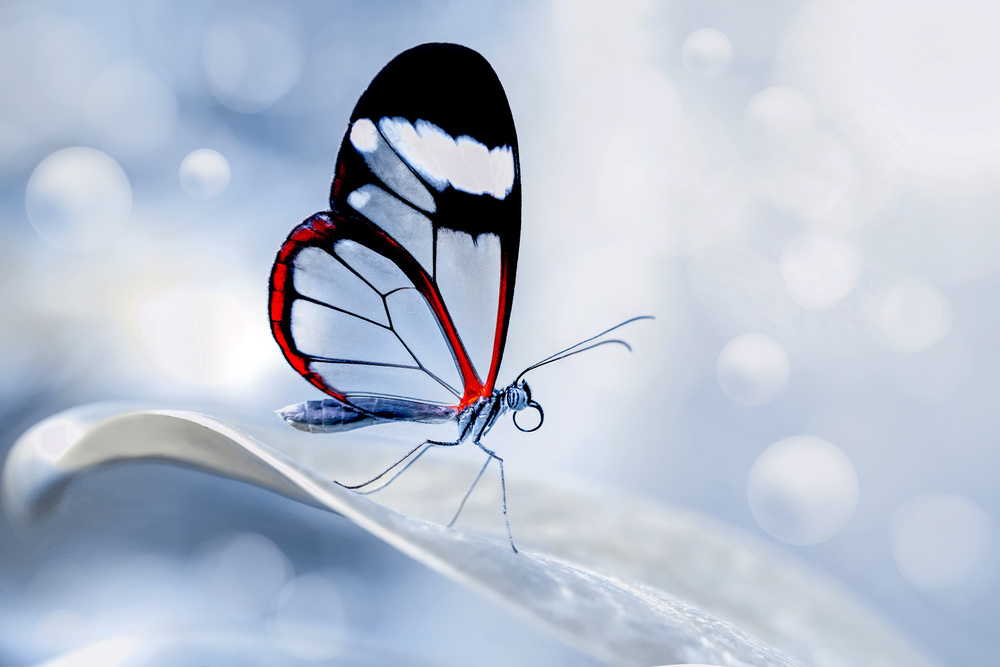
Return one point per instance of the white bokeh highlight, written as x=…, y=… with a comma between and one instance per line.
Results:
x=939, y=540
x=777, y=120
x=78, y=199
x=47, y=63
x=936, y=373
x=243, y=575
x=753, y=369
x=204, y=337
x=819, y=270
x=819, y=182
x=204, y=173
x=119, y=651
x=802, y=490
x=706, y=53
x=915, y=78
x=61, y=630
x=308, y=621
x=634, y=160
x=251, y=63
x=132, y=110
x=913, y=315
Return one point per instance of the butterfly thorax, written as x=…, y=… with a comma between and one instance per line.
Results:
x=477, y=419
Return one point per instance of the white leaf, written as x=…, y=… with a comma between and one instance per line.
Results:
x=626, y=581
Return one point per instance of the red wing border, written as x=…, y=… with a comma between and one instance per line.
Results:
x=323, y=231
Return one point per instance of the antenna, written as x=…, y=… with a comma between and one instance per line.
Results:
x=571, y=350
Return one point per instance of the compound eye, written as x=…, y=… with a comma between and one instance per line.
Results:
x=517, y=399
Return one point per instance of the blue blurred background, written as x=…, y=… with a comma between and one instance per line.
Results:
x=805, y=193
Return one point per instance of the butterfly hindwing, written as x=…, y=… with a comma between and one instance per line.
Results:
x=349, y=315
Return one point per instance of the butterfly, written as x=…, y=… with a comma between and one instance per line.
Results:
x=396, y=301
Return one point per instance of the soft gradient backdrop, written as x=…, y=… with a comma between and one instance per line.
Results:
x=806, y=194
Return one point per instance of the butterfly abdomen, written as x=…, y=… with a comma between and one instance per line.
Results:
x=326, y=415
x=331, y=415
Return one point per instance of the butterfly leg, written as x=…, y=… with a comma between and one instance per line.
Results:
x=426, y=444
x=503, y=489
x=466, y=429
x=469, y=492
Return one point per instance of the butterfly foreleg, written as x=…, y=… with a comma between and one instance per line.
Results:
x=465, y=429
x=503, y=488
x=426, y=444
x=468, y=493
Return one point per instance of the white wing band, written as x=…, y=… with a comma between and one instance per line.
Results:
x=463, y=163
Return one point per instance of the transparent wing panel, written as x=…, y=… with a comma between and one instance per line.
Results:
x=409, y=227
x=473, y=302
x=385, y=381
x=320, y=276
x=380, y=272
x=322, y=332
x=419, y=329
x=387, y=166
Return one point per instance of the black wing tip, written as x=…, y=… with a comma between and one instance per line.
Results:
x=451, y=85
x=441, y=50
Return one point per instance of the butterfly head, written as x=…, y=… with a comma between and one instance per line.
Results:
x=517, y=396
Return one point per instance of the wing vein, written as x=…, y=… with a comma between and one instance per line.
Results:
x=339, y=310
x=358, y=362
x=422, y=367
x=430, y=187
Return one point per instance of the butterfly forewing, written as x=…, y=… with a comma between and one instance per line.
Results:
x=403, y=289
x=440, y=112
